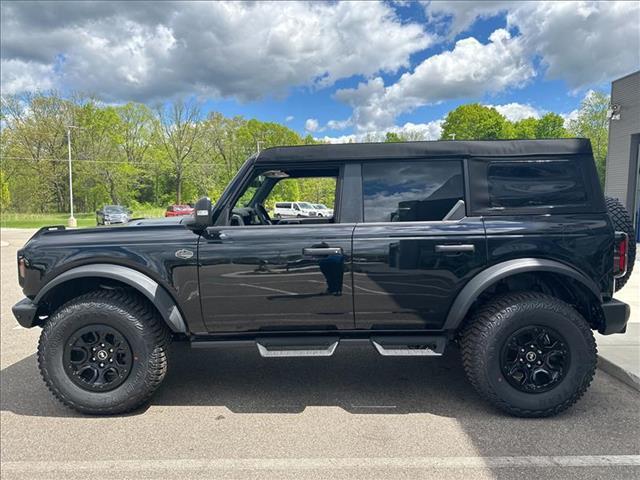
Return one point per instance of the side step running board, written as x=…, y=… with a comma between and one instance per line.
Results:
x=316, y=346
x=409, y=346
x=297, y=347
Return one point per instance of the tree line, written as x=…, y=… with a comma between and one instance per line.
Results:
x=141, y=157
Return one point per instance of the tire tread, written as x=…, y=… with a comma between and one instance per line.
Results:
x=476, y=336
x=149, y=323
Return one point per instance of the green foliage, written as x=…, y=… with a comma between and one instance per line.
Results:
x=128, y=154
x=473, y=122
x=592, y=123
x=551, y=125
x=392, y=137
x=525, y=128
x=5, y=196
x=147, y=159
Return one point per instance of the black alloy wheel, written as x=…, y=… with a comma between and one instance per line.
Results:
x=97, y=358
x=535, y=359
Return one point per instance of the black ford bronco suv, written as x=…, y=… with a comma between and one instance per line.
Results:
x=506, y=250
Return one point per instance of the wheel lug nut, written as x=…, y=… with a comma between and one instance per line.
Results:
x=102, y=345
x=528, y=365
x=102, y=364
x=93, y=358
x=522, y=360
x=522, y=349
x=540, y=351
x=111, y=350
x=94, y=349
x=539, y=362
x=111, y=360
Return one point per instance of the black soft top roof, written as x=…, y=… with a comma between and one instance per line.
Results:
x=447, y=148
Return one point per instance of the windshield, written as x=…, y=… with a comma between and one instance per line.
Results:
x=305, y=205
x=113, y=209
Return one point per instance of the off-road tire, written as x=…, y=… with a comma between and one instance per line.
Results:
x=622, y=223
x=138, y=323
x=483, y=337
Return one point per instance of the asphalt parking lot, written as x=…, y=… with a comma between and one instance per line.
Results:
x=233, y=414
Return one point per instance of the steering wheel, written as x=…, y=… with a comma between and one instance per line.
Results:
x=262, y=214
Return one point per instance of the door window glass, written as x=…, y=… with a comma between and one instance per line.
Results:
x=267, y=198
x=410, y=191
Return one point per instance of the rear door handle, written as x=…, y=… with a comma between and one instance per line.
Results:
x=455, y=248
x=322, y=251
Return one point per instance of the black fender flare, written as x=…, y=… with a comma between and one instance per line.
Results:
x=148, y=287
x=497, y=272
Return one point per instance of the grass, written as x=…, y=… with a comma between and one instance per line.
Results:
x=37, y=220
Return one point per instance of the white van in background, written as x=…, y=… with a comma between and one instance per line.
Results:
x=294, y=210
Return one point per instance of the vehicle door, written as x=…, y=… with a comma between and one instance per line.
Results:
x=416, y=248
x=283, y=275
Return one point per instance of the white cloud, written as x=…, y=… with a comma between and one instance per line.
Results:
x=338, y=124
x=517, y=111
x=311, y=125
x=573, y=114
x=410, y=131
x=469, y=70
x=19, y=76
x=460, y=15
x=569, y=117
x=289, y=118
x=145, y=51
x=583, y=43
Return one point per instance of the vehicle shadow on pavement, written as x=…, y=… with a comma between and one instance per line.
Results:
x=356, y=379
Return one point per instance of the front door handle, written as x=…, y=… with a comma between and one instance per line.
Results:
x=322, y=251
x=455, y=248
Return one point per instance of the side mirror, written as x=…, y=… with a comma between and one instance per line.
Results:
x=98, y=212
x=201, y=217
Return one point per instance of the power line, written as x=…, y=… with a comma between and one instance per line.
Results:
x=86, y=160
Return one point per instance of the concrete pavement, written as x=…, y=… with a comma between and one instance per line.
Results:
x=620, y=354
x=233, y=414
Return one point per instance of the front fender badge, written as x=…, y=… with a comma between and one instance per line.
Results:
x=184, y=254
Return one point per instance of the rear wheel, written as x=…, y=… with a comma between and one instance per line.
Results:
x=529, y=354
x=622, y=223
x=104, y=352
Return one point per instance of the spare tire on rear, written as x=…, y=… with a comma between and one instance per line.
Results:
x=622, y=223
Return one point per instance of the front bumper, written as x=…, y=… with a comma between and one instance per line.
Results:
x=25, y=312
x=616, y=316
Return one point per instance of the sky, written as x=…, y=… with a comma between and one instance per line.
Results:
x=335, y=70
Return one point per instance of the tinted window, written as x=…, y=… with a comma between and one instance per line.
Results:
x=410, y=191
x=534, y=184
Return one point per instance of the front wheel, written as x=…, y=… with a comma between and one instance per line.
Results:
x=104, y=352
x=529, y=354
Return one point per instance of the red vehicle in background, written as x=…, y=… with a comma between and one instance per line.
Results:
x=178, y=210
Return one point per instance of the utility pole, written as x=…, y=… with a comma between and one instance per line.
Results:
x=258, y=142
x=72, y=221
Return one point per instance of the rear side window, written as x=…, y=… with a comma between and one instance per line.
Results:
x=540, y=183
x=410, y=191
